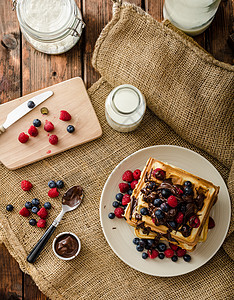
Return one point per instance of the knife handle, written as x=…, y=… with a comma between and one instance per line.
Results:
x=2, y=129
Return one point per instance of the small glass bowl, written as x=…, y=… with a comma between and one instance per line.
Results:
x=66, y=258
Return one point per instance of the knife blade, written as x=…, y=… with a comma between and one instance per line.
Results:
x=23, y=109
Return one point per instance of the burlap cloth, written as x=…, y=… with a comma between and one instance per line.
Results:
x=194, y=97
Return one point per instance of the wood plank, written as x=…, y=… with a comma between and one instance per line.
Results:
x=39, y=71
x=155, y=9
x=97, y=13
x=218, y=32
x=10, y=276
x=9, y=53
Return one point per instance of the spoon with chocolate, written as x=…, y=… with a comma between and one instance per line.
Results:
x=70, y=201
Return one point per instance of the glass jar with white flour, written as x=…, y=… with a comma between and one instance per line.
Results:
x=50, y=26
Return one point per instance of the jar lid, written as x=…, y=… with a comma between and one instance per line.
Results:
x=125, y=105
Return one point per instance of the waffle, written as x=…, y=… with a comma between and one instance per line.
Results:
x=196, y=204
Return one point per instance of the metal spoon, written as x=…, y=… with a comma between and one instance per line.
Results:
x=70, y=201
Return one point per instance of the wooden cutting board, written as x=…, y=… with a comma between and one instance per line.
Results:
x=69, y=95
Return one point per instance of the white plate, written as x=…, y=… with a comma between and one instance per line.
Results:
x=119, y=234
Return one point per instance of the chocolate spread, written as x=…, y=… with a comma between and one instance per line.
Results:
x=66, y=245
x=73, y=196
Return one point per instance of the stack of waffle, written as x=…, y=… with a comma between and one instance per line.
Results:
x=171, y=204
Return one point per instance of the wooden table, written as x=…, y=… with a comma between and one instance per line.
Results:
x=24, y=70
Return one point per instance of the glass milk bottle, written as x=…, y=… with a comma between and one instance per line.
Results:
x=191, y=16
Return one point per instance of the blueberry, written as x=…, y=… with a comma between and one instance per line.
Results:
x=159, y=214
x=28, y=205
x=157, y=202
x=151, y=185
x=32, y=222
x=150, y=243
x=188, y=190
x=172, y=224
x=35, y=209
x=183, y=208
x=142, y=243
x=35, y=202
x=174, y=258
x=166, y=193
x=111, y=215
x=139, y=248
x=164, y=207
x=136, y=241
x=36, y=122
x=162, y=247
x=147, y=247
x=9, y=207
x=144, y=255
x=144, y=211
x=70, y=128
x=30, y=104
x=161, y=255
x=115, y=204
x=119, y=197
x=59, y=184
x=130, y=192
x=52, y=184
x=187, y=257
x=188, y=183
x=47, y=205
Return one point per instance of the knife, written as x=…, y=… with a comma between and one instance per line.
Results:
x=23, y=109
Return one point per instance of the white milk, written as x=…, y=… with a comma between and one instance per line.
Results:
x=191, y=16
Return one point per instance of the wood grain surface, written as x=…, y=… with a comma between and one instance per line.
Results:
x=24, y=70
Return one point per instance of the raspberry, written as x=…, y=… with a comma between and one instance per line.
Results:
x=126, y=199
x=123, y=187
x=169, y=253
x=53, y=193
x=119, y=212
x=33, y=131
x=180, y=217
x=179, y=191
x=127, y=176
x=211, y=223
x=24, y=212
x=42, y=213
x=194, y=221
x=53, y=139
x=173, y=246
x=26, y=185
x=153, y=253
x=180, y=252
x=41, y=223
x=64, y=115
x=23, y=137
x=133, y=184
x=136, y=174
x=48, y=126
x=159, y=173
x=172, y=201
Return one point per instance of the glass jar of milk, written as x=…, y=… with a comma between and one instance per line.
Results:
x=191, y=16
x=124, y=108
x=50, y=26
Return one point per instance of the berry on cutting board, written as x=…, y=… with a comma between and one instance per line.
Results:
x=70, y=128
x=33, y=131
x=36, y=122
x=64, y=115
x=48, y=126
x=53, y=139
x=23, y=138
